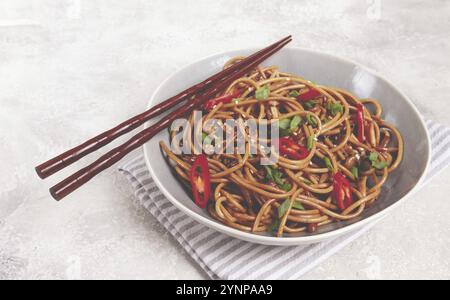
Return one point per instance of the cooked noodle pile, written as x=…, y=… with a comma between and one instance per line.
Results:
x=296, y=195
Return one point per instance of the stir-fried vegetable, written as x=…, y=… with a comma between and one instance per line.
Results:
x=309, y=95
x=342, y=192
x=335, y=108
x=262, y=93
x=376, y=163
x=200, y=180
x=360, y=122
x=291, y=149
x=274, y=175
x=328, y=163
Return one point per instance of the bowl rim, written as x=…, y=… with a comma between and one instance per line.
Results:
x=287, y=241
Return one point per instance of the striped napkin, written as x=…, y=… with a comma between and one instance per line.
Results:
x=225, y=257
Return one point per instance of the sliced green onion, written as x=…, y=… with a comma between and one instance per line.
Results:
x=355, y=172
x=311, y=120
x=284, y=123
x=285, y=186
x=377, y=164
x=262, y=93
x=335, y=108
x=269, y=174
x=373, y=156
x=328, y=163
x=309, y=104
x=275, y=175
x=283, y=208
x=206, y=139
x=298, y=205
x=310, y=142
x=295, y=122
x=294, y=94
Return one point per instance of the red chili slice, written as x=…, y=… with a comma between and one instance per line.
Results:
x=309, y=95
x=360, y=122
x=200, y=180
x=291, y=149
x=342, y=192
x=222, y=99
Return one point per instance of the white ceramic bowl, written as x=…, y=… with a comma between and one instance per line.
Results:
x=322, y=69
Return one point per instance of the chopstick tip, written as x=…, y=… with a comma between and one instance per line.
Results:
x=55, y=195
x=39, y=172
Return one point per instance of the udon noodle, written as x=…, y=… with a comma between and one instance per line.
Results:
x=297, y=194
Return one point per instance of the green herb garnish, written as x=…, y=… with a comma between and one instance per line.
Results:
x=286, y=186
x=309, y=104
x=311, y=121
x=354, y=171
x=295, y=122
x=269, y=172
x=309, y=142
x=284, y=123
x=275, y=175
x=335, y=108
x=373, y=156
x=328, y=163
x=294, y=94
x=282, y=209
x=206, y=139
x=297, y=205
x=283, y=127
x=262, y=93
x=377, y=164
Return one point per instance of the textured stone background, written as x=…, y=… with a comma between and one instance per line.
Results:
x=72, y=68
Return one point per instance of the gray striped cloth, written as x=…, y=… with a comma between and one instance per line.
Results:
x=225, y=257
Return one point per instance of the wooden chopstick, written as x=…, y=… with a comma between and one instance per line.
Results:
x=67, y=158
x=79, y=178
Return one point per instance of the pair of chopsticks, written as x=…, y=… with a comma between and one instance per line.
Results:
x=194, y=97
